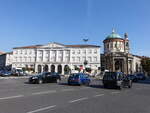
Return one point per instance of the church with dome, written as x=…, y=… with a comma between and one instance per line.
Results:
x=117, y=56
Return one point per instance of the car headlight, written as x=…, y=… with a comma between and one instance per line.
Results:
x=34, y=77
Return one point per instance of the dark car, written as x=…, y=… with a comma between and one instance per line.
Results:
x=45, y=77
x=140, y=76
x=19, y=72
x=133, y=78
x=127, y=82
x=116, y=80
x=6, y=73
x=79, y=79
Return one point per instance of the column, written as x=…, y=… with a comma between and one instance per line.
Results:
x=50, y=55
x=44, y=54
x=56, y=55
x=36, y=68
x=56, y=68
x=125, y=66
x=42, y=66
x=62, y=69
x=49, y=68
x=63, y=56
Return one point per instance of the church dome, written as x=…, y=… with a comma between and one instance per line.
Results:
x=113, y=35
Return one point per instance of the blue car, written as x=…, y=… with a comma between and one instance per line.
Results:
x=79, y=79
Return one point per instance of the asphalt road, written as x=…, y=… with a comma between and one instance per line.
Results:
x=17, y=96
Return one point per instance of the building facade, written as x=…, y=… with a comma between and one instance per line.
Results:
x=117, y=56
x=6, y=60
x=55, y=57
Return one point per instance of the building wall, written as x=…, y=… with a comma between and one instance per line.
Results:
x=6, y=60
x=56, y=55
x=2, y=60
x=9, y=59
x=114, y=45
x=137, y=68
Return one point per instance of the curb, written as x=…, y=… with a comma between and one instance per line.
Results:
x=12, y=77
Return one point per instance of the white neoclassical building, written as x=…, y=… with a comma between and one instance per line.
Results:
x=56, y=57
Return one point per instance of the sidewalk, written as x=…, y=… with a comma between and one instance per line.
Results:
x=13, y=77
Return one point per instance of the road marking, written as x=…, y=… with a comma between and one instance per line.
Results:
x=99, y=95
x=85, y=88
x=12, y=97
x=139, y=88
x=42, y=109
x=34, y=87
x=67, y=89
x=115, y=92
x=44, y=92
x=80, y=99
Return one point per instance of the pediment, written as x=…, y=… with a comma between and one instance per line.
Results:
x=53, y=45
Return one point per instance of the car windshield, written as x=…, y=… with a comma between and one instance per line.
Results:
x=41, y=74
x=110, y=76
x=139, y=75
x=19, y=70
x=74, y=75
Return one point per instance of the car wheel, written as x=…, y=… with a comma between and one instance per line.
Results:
x=120, y=87
x=58, y=81
x=105, y=86
x=40, y=81
x=69, y=83
x=87, y=84
x=130, y=85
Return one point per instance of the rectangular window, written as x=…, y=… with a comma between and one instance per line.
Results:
x=83, y=59
x=20, y=51
x=73, y=59
x=73, y=51
x=84, y=51
x=67, y=59
x=95, y=59
x=67, y=52
x=78, y=52
x=89, y=51
x=40, y=58
x=25, y=52
x=89, y=59
x=30, y=52
x=78, y=59
x=95, y=51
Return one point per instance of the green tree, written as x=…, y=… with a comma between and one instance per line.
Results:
x=146, y=64
x=67, y=69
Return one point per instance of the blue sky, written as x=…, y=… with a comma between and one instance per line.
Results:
x=29, y=22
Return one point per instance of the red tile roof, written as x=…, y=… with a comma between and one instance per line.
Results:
x=81, y=46
x=72, y=46
x=28, y=47
x=1, y=52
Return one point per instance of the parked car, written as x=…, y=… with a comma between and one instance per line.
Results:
x=6, y=73
x=127, y=82
x=116, y=80
x=133, y=78
x=19, y=72
x=140, y=76
x=79, y=79
x=45, y=77
x=1, y=72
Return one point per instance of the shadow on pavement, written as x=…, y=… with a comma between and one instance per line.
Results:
x=102, y=87
x=27, y=83
x=96, y=86
x=66, y=84
x=63, y=84
x=147, y=81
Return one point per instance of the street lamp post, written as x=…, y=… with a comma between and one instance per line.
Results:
x=85, y=61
